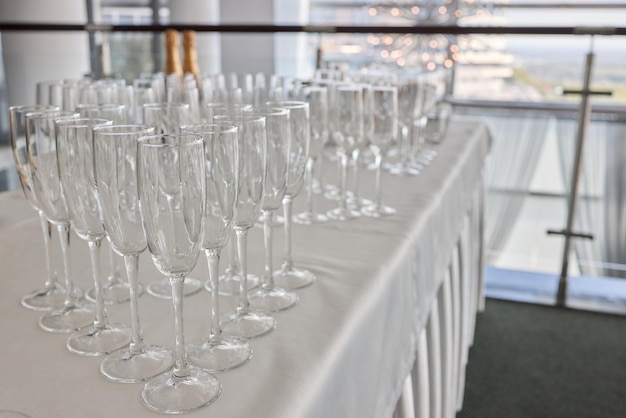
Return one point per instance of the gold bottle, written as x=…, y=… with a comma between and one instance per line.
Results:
x=172, y=54
x=190, y=54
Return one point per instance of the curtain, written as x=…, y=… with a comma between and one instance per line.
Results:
x=600, y=208
x=517, y=141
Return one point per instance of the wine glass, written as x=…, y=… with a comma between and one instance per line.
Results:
x=230, y=280
x=114, y=289
x=317, y=98
x=410, y=100
x=218, y=352
x=269, y=297
x=115, y=167
x=385, y=126
x=76, y=171
x=52, y=295
x=355, y=201
x=41, y=147
x=167, y=118
x=290, y=276
x=247, y=322
x=172, y=198
x=348, y=114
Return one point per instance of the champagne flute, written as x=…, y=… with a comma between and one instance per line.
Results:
x=246, y=322
x=317, y=98
x=289, y=276
x=115, y=289
x=52, y=295
x=172, y=197
x=410, y=100
x=76, y=172
x=385, y=126
x=115, y=166
x=218, y=352
x=269, y=297
x=167, y=118
x=348, y=112
x=41, y=147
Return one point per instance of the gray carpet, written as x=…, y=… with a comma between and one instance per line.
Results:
x=539, y=361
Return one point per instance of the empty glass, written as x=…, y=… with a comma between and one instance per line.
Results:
x=317, y=98
x=76, y=171
x=269, y=297
x=52, y=295
x=290, y=276
x=115, y=165
x=167, y=118
x=172, y=198
x=348, y=115
x=385, y=126
x=218, y=352
x=41, y=145
x=246, y=322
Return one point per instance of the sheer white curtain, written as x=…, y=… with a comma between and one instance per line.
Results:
x=517, y=141
x=600, y=208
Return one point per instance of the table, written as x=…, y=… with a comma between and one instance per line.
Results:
x=345, y=350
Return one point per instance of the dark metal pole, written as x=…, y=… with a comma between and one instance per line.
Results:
x=583, y=121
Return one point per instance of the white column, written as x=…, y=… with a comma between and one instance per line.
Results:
x=293, y=56
x=243, y=52
x=30, y=57
x=206, y=12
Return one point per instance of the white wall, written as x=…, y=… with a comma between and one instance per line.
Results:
x=35, y=56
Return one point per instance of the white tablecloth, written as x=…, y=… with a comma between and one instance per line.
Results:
x=343, y=351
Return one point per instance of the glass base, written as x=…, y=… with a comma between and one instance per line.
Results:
x=309, y=218
x=377, y=211
x=174, y=395
x=250, y=324
x=49, y=298
x=163, y=290
x=293, y=278
x=115, y=292
x=125, y=367
x=93, y=341
x=219, y=355
x=68, y=319
x=230, y=283
x=341, y=214
x=403, y=169
x=272, y=300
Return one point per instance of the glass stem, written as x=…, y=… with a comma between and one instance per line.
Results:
x=132, y=269
x=233, y=268
x=287, y=209
x=378, y=161
x=242, y=246
x=64, y=238
x=95, y=246
x=355, y=175
x=343, y=204
x=46, y=228
x=213, y=260
x=405, y=145
x=268, y=277
x=310, y=165
x=181, y=368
